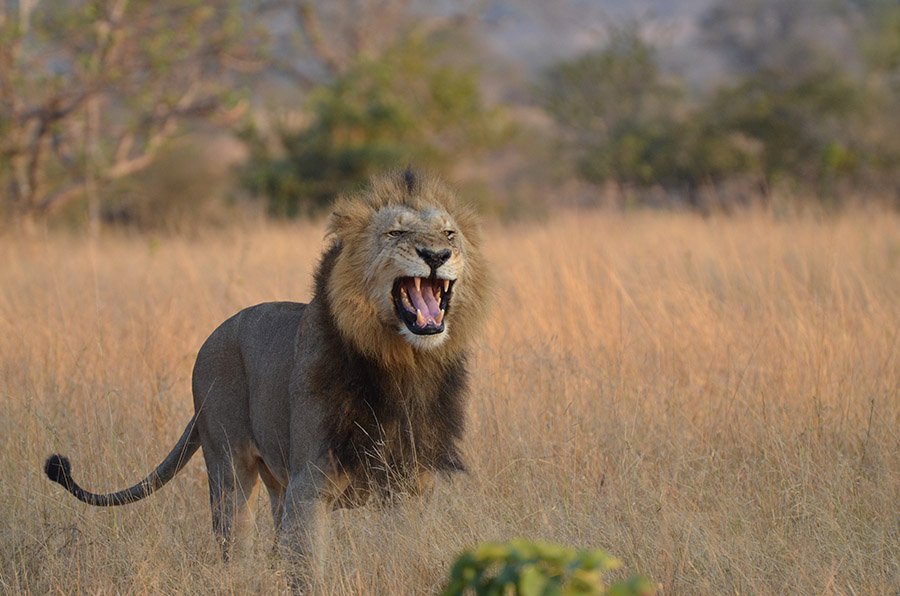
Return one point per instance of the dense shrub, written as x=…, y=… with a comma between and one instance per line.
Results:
x=407, y=106
x=538, y=568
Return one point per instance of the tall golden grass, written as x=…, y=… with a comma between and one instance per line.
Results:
x=715, y=401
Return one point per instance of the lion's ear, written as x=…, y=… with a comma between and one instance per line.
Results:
x=346, y=217
x=338, y=224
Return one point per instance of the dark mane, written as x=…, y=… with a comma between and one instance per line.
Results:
x=410, y=179
x=383, y=419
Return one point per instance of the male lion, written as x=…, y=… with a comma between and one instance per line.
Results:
x=358, y=392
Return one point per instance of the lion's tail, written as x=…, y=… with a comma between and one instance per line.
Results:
x=58, y=469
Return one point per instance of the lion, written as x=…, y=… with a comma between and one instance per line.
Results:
x=360, y=392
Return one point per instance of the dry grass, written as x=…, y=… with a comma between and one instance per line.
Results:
x=715, y=401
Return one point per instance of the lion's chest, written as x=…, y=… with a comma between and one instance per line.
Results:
x=382, y=427
x=382, y=443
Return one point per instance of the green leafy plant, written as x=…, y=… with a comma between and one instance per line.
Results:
x=818, y=128
x=538, y=568
x=407, y=106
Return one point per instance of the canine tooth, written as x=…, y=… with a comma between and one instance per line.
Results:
x=446, y=285
x=418, y=282
x=440, y=317
x=420, y=318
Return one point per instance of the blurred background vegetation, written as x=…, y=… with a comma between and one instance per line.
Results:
x=181, y=113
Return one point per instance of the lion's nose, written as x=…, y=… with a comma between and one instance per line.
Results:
x=434, y=259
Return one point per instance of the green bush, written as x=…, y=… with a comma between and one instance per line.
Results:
x=821, y=129
x=538, y=568
x=407, y=106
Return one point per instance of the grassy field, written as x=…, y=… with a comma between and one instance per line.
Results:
x=715, y=401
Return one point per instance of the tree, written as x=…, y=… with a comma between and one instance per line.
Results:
x=320, y=40
x=806, y=128
x=793, y=39
x=91, y=89
x=626, y=121
x=407, y=106
x=820, y=127
x=814, y=90
x=602, y=90
x=880, y=40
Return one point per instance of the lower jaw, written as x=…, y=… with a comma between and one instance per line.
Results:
x=427, y=332
x=419, y=341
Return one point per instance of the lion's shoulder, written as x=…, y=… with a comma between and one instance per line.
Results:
x=266, y=327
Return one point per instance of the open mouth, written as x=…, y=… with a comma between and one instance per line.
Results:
x=422, y=303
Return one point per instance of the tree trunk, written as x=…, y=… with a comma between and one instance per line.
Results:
x=92, y=159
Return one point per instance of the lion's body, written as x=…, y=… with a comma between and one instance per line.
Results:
x=348, y=395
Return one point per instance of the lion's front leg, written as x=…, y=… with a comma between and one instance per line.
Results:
x=300, y=538
x=309, y=496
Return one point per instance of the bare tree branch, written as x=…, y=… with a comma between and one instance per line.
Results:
x=308, y=17
x=126, y=76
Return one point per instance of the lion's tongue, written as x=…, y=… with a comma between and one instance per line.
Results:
x=434, y=309
x=423, y=299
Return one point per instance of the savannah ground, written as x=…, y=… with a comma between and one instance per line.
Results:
x=715, y=401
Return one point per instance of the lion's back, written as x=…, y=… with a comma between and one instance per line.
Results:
x=249, y=353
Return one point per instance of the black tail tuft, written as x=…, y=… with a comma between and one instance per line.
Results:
x=59, y=470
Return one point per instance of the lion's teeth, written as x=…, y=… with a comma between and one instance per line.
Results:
x=440, y=317
x=404, y=298
x=420, y=318
x=418, y=282
x=446, y=285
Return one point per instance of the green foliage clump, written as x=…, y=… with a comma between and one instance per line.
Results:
x=804, y=128
x=818, y=128
x=538, y=568
x=406, y=106
x=632, y=125
x=613, y=104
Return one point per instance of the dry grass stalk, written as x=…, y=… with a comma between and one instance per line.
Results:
x=713, y=401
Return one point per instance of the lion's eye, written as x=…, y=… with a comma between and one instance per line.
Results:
x=396, y=233
x=450, y=234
